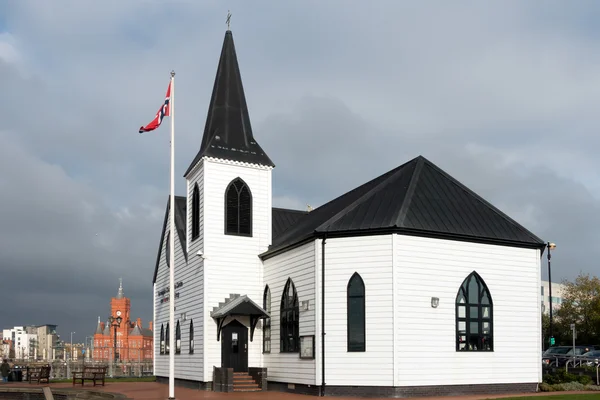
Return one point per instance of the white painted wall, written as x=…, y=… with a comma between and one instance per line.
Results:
x=191, y=300
x=232, y=264
x=299, y=265
x=187, y=366
x=371, y=257
x=426, y=336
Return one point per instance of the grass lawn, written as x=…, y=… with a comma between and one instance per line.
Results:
x=591, y=396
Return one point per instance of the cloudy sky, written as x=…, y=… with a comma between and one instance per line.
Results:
x=502, y=95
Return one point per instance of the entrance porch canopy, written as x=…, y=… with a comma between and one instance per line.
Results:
x=239, y=306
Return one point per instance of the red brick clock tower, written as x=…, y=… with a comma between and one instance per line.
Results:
x=133, y=341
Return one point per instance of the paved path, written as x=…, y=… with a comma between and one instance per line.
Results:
x=156, y=391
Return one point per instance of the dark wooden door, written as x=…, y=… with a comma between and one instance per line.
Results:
x=234, y=347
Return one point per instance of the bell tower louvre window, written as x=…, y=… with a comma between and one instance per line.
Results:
x=238, y=209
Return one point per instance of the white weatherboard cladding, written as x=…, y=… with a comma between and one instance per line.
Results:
x=187, y=366
x=299, y=265
x=190, y=301
x=232, y=264
x=426, y=336
x=371, y=257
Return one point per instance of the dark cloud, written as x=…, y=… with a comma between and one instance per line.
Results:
x=500, y=96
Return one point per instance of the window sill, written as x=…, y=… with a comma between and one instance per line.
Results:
x=238, y=234
x=474, y=351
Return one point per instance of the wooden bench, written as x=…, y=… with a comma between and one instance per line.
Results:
x=39, y=374
x=90, y=374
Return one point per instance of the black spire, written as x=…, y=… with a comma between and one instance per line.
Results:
x=228, y=133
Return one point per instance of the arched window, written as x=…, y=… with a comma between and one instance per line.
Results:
x=474, y=322
x=356, y=313
x=195, y=212
x=167, y=338
x=177, y=339
x=238, y=209
x=267, y=321
x=168, y=249
x=290, y=316
x=162, y=339
x=191, y=337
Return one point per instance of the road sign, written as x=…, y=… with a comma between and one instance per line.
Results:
x=552, y=341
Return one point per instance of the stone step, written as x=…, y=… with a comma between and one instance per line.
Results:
x=243, y=382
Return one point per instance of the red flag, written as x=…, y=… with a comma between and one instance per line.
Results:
x=164, y=111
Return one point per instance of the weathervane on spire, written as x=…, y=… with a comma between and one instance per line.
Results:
x=228, y=19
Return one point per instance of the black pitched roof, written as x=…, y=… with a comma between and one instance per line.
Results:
x=414, y=198
x=283, y=218
x=228, y=133
x=180, y=227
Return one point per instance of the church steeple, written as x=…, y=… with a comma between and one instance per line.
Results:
x=228, y=133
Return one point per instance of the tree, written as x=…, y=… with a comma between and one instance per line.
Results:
x=580, y=305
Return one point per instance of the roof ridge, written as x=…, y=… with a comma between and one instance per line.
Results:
x=414, y=180
x=482, y=200
x=363, y=197
x=390, y=173
x=290, y=209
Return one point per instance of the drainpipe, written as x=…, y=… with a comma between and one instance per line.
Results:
x=323, y=315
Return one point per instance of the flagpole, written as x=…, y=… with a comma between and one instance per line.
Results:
x=172, y=248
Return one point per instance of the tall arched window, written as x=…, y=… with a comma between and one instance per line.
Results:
x=290, y=318
x=177, y=339
x=238, y=209
x=167, y=338
x=168, y=249
x=474, y=310
x=356, y=314
x=267, y=321
x=195, y=212
x=191, y=337
x=162, y=339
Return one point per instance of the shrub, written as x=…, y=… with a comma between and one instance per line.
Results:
x=546, y=387
x=584, y=379
x=571, y=386
x=561, y=376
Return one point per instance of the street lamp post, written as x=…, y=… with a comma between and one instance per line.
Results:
x=111, y=321
x=71, y=355
x=551, y=246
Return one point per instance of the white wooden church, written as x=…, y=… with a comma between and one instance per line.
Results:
x=408, y=285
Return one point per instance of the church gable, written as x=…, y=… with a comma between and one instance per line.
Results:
x=180, y=227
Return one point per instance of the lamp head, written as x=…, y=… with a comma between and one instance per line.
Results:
x=551, y=245
x=119, y=319
x=111, y=319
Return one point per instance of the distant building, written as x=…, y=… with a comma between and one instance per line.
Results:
x=558, y=291
x=6, y=347
x=47, y=339
x=134, y=342
x=23, y=343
